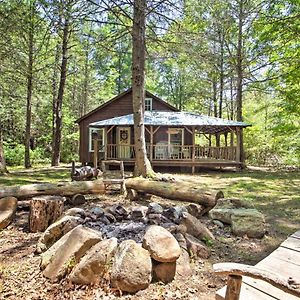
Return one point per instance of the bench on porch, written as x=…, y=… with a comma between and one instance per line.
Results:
x=275, y=277
x=109, y=178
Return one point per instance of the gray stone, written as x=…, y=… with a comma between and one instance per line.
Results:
x=68, y=253
x=132, y=267
x=174, y=213
x=75, y=211
x=221, y=214
x=218, y=223
x=155, y=208
x=97, y=211
x=195, y=227
x=139, y=212
x=197, y=248
x=248, y=222
x=56, y=230
x=164, y=272
x=243, y=221
x=154, y=219
x=161, y=244
x=8, y=207
x=95, y=263
x=118, y=211
x=111, y=218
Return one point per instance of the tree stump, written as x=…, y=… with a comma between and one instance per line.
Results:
x=44, y=210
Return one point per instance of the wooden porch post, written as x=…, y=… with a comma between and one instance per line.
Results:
x=151, y=143
x=96, y=151
x=193, y=151
x=238, y=145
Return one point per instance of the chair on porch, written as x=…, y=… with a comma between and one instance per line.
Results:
x=161, y=150
x=175, y=151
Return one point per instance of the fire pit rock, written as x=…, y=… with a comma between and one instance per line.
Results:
x=122, y=245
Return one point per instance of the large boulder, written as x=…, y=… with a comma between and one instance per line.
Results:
x=243, y=221
x=68, y=253
x=183, y=266
x=95, y=263
x=132, y=267
x=194, y=227
x=248, y=222
x=56, y=230
x=8, y=207
x=161, y=244
x=222, y=214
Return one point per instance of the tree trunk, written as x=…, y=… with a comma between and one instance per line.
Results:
x=142, y=164
x=239, y=71
x=54, y=91
x=62, y=189
x=44, y=210
x=27, y=163
x=175, y=191
x=58, y=112
x=2, y=158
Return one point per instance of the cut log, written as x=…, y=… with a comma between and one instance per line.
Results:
x=61, y=188
x=176, y=191
x=44, y=210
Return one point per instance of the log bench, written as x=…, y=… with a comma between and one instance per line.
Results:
x=275, y=277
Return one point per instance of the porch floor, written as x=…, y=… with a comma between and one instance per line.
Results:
x=203, y=162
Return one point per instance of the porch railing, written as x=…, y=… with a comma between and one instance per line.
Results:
x=161, y=151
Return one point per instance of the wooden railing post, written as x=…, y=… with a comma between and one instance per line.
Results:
x=95, y=141
x=233, y=290
x=193, y=151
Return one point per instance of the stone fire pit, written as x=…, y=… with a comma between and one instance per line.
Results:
x=128, y=246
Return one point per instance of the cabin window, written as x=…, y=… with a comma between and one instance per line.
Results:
x=100, y=136
x=176, y=136
x=148, y=104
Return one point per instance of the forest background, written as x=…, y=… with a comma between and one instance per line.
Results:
x=59, y=59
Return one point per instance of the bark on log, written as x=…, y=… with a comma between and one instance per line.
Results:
x=176, y=191
x=44, y=210
x=61, y=188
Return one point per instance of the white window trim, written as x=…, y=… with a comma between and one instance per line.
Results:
x=90, y=136
x=176, y=129
x=151, y=104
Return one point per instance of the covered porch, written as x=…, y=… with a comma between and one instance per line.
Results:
x=172, y=139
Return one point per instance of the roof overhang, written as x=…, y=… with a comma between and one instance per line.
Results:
x=201, y=123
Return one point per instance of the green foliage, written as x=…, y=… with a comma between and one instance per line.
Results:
x=14, y=154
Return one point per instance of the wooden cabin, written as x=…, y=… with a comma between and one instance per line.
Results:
x=173, y=137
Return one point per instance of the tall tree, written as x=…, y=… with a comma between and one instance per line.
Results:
x=61, y=89
x=142, y=164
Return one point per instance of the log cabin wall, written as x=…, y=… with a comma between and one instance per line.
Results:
x=118, y=106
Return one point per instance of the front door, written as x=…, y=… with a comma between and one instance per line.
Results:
x=123, y=141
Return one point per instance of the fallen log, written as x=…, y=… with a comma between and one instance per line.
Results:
x=176, y=191
x=61, y=188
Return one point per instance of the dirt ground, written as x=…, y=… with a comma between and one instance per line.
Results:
x=20, y=276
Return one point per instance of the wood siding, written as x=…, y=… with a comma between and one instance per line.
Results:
x=119, y=107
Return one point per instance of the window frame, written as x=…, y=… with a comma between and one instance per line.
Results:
x=150, y=103
x=91, y=130
x=174, y=129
